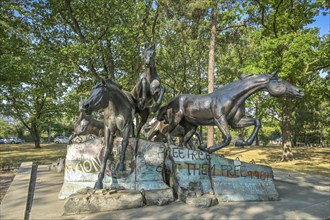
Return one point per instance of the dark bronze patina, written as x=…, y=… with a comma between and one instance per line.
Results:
x=86, y=124
x=118, y=115
x=225, y=106
x=158, y=130
x=148, y=89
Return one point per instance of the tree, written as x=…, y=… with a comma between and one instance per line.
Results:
x=210, y=74
x=33, y=79
x=284, y=43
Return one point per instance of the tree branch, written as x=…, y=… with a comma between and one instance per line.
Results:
x=154, y=25
x=274, y=24
x=73, y=23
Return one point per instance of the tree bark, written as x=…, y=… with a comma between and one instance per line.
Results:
x=48, y=133
x=210, y=131
x=35, y=135
x=286, y=131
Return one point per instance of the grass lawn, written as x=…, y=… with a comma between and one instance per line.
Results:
x=312, y=160
x=12, y=155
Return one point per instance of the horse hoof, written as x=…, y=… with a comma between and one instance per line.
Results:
x=240, y=143
x=202, y=147
x=120, y=167
x=98, y=185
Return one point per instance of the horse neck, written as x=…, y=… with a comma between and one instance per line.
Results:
x=249, y=88
x=151, y=72
x=117, y=94
x=97, y=123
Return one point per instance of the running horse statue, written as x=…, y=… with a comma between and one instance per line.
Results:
x=119, y=113
x=148, y=89
x=225, y=106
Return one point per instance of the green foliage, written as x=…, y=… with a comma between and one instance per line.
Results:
x=51, y=50
x=6, y=130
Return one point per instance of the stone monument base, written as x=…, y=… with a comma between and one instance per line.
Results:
x=157, y=175
x=89, y=200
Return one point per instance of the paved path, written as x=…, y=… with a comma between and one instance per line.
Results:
x=301, y=197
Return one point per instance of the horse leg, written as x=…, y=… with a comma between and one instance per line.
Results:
x=222, y=124
x=158, y=99
x=245, y=123
x=124, y=144
x=133, y=131
x=144, y=117
x=187, y=141
x=108, y=137
x=72, y=137
x=174, y=120
x=239, y=122
x=202, y=145
x=142, y=100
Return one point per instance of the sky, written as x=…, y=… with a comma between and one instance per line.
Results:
x=322, y=22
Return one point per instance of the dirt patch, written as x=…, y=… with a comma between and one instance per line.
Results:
x=6, y=177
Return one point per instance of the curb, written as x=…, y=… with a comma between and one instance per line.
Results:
x=15, y=202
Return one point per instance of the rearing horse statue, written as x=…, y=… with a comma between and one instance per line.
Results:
x=226, y=106
x=148, y=89
x=119, y=112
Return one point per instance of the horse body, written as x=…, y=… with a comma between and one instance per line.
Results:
x=205, y=109
x=118, y=116
x=226, y=106
x=148, y=89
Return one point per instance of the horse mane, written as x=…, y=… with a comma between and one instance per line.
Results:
x=113, y=84
x=244, y=75
x=118, y=88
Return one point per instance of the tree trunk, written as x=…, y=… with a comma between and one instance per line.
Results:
x=48, y=133
x=35, y=135
x=210, y=132
x=110, y=62
x=286, y=131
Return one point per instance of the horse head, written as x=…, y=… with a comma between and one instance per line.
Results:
x=97, y=99
x=149, y=56
x=278, y=87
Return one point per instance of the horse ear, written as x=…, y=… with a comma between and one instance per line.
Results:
x=274, y=75
x=103, y=81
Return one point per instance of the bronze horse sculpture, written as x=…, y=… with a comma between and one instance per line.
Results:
x=158, y=129
x=225, y=106
x=118, y=116
x=148, y=89
x=86, y=125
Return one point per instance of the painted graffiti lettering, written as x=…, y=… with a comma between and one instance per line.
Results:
x=194, y=169
x=225, y=170
x=259, y=175
x=87, y=166
x=189, y=154
x=231, y=171
x=192, y=154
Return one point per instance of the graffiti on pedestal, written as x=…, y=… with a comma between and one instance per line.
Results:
x=196, y=162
